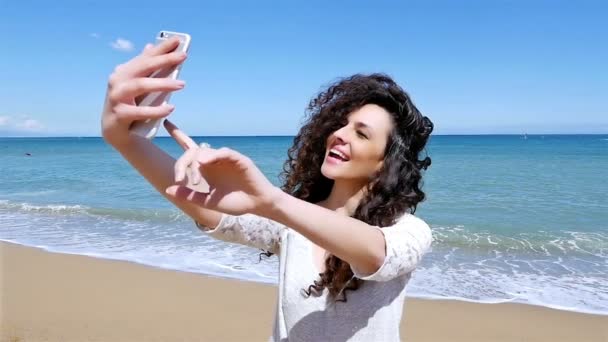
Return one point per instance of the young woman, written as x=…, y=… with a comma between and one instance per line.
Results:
x=342, y=224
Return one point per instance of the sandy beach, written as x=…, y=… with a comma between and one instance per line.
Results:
x=60, y=297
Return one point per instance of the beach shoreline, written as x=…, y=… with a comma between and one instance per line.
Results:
x=48, y=296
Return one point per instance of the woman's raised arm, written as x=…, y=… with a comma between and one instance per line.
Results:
x=127, y=82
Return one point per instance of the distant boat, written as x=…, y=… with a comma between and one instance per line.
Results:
x=525, y=136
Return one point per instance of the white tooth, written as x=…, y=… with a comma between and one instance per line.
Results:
x=342, y=155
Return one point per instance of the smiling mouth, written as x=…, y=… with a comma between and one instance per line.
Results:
x=337, y=157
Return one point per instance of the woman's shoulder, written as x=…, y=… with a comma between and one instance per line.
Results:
x=413, y=224
x=411, y=218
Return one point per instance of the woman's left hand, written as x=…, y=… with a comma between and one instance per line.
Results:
x=236, y=184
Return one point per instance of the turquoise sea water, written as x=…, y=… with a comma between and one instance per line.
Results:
x=514, y=219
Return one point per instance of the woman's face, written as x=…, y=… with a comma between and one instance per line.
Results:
x=356, y=150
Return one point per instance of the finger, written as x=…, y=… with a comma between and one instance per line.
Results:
x=137, y=86
x=183, y=163
x=182, y=138
x=147, y=49
x=193, y=171
x=197, y=176
x=196, y=173
x=165, y=46
x=213, y=156
x=148, y=64
x=132, y=112
x=197, y=182
x=161, y=50
x=186, y=194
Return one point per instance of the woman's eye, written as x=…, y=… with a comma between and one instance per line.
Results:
x=359, y=133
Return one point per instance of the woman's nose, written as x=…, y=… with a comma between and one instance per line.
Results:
x=341, y=135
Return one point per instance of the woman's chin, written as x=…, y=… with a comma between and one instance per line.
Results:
x=326, y=170
x=331, y=171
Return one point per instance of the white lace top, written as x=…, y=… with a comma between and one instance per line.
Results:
x=371, y=313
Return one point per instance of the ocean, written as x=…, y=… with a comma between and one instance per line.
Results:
x=515, y=218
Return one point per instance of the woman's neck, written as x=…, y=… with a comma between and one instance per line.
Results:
x=343, y=198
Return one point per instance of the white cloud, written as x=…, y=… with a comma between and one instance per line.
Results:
x=20, y=124
x=95, y=35
x=122, y=44
x=30, y=125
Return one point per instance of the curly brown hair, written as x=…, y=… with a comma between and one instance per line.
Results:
x=394, y=190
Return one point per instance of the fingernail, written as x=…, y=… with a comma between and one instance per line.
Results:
x=180, y=83
x=172, y=190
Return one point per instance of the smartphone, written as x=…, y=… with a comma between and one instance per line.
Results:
x=149, y=128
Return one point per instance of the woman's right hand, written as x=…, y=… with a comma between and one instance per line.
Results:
x=130, y=80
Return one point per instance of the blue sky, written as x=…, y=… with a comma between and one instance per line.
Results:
x=473, y=67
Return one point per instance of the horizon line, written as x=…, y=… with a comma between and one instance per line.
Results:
x=289, y=135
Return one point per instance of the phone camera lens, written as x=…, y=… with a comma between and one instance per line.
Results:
x=163, y=34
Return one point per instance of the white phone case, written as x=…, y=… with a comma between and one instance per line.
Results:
x=149, y=128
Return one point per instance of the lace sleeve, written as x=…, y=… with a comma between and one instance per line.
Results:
x=406, y=242
x=249, y=230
